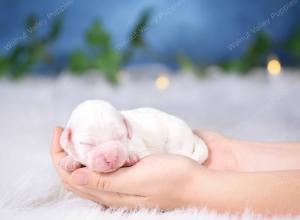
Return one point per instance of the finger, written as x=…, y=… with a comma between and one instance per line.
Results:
x=56, y=148
x=124, y=180
x=57, y=151
x=117, y=200
x=57, y=154
x=201, y=133
x=112, y=199
x=209, y=137
x=89, y=179
x=82, y=194
x=63, y=174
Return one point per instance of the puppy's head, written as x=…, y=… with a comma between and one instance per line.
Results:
x=97, y=136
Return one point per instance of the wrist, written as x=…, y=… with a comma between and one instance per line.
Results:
x=214, y=190
x=244, y=155
x=238, y=152
x=251, y=156
x=264, y=156
x=197, y=192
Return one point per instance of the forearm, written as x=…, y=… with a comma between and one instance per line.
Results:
x=266, y=156
x=265, y=192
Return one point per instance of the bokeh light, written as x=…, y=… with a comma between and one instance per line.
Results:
x=162, y=82
x=274, y=66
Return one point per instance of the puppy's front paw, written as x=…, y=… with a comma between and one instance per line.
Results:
x=133, y=159
x=69, y=164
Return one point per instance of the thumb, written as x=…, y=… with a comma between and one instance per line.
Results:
x=90, y=179
x=208, y=136
x=203, y=134
x=121, y=180
x=199, y=132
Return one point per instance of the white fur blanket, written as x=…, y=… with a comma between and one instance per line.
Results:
x=252, y=107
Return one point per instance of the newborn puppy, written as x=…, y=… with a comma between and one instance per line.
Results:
x=104, y=139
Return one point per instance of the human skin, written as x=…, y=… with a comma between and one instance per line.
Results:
x=249, y=156
x=173, y=181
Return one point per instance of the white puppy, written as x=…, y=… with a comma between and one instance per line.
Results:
x=104, y=139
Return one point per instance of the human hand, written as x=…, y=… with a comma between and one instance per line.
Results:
x=164, y=181
x=222, y=151
x=172, y=181
x=249, y=156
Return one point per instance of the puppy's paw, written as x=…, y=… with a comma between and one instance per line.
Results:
x=133, y=159
x=69, y=164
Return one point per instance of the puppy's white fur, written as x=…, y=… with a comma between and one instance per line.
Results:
x=155, y=131
x=143, y=131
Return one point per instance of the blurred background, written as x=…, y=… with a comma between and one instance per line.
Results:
x=51, y=36
x=230, y=66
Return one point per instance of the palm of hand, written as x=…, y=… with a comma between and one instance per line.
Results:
x=157, y=180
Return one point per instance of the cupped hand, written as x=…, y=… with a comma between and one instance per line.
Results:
x=222, y=153
x=163, y=181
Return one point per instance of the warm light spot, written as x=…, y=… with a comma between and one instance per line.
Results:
x=162, y=82
x=274, y=67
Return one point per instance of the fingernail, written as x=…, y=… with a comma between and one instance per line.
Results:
x=80, y=178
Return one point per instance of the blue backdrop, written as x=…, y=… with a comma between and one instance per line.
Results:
x=204, y=30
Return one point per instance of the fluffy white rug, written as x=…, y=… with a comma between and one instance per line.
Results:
x=254, y=107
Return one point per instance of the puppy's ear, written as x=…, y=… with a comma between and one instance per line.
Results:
x=66, y=138
x=128, y=127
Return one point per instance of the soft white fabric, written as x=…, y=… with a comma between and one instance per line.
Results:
x=254, y=107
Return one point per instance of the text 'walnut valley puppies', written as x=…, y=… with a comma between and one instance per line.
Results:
x=104, y=139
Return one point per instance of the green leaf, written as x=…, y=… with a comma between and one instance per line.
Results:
x=4, y=65
x=36, y=50
x=28, y=53
x=187, y=64
x=79, y=62
x=293, y=44
x=19, y=61
x=109, y=63
x=54, y=32
x=138, y=32
x=238, y=65
x=30, y=24
x=260, y=46
x=22, y=66
x=137, y=35
x=252, y=58
x=96, y=36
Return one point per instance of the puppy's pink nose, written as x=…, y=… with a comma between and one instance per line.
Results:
x=107, y=157
x=110, y=157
